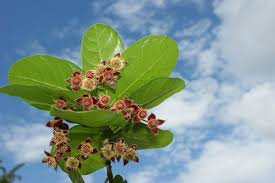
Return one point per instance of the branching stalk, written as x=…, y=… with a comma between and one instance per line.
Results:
x=109, y=172
x=75, y=177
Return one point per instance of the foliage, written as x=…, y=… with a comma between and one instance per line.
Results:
x=9, y=176
x=40, y=80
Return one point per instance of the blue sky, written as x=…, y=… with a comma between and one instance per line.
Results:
x=223, y=121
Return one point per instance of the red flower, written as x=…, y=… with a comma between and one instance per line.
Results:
x=75, y=81
x=57, y=123
x=50, y=160
x=87, y=102
x=108, y=76
x=120, y=105
x=89, y=74
x=61, y=103
x=153, y=123
x=103, y=102
x=86, y=149
x=140, y=115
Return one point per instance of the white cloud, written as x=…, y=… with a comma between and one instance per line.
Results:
x=197, y=29
x=232, y=162
x=147, y=175
x=141, y=16
x=26, y=143
x=255, y=108
x=190, y=106
x=246, y=38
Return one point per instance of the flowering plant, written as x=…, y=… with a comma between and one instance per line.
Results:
x=108, y=99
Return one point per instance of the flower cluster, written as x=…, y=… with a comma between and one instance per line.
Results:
x=89, y=102
x=135, y=113
x=114, y=151
x=59, y=140
x=130, y=110
x=107, y=72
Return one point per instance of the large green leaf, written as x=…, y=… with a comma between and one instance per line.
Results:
x=92, y=118
x=141, y=135
x=39, y=94
x=149, y=58
x=77, y=135
x=156, y=91
x=42, y=70
x=100, y=42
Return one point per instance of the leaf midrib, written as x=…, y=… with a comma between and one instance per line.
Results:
x=146, y=71
x=37, y=81
x=158, y=96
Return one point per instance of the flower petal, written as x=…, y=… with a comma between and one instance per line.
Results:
x=160, y=121
x=155, y=130
x=151, y=116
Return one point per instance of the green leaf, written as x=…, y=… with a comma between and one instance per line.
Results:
x=156, y=91
x=42, y=70
x=92, y=118
x=149, y=58
x=41, y=95
x=100, y=42
x=119, y=179
x=141, y=135
x=77, y=135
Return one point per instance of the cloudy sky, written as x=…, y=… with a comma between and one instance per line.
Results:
x=224, y=121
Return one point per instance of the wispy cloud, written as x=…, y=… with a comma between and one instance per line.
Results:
x=26, y=143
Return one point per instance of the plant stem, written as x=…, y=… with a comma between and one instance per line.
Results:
x=109, y=172
x=75, y=177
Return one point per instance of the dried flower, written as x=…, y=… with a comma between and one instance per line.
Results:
x=75, y=81
x=57, y=123
x=153, y=123
x=50, y=160
x=117, y=63
x=98, y=72
x=59, y=136
x=88, y=84
x=119, y=148
x=107, y=152
x=62, y=148
x=72, y=163
x=130, y=154
x=86, y=149
x=87, y=102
